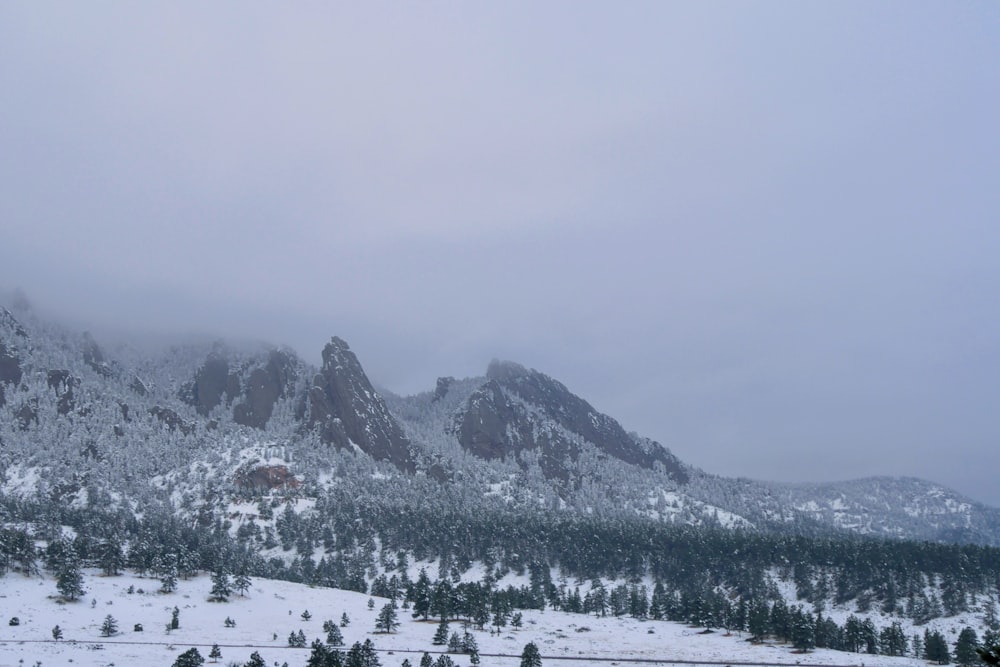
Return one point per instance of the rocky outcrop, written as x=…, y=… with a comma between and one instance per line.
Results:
x=10, y=371
x=93, y=356
x=255, y=385
x=27, y=414
x=441, y=390
x=138, y=386
x=205, y=392
x=264, y=478
x=172, y=420
x=264, y=386
x=345, y=409
x=63, y=384
x=519, y=409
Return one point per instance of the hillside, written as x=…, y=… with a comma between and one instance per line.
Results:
x=211, y=456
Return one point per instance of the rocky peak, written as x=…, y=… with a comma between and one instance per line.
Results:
x=523, y=409
x=346, y=410
x=9, y=324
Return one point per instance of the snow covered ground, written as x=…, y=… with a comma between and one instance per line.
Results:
x=273, y=609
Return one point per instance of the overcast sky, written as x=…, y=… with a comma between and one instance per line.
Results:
x=764, y=234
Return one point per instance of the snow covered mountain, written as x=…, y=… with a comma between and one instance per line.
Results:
x=77, y=420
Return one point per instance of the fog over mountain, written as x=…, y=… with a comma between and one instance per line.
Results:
x=762, y=235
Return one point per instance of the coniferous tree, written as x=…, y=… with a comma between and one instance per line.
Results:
x=388, y=619
x=221, y=586
x=69, y=579
x=242, y=583
x=965, y=648
x=530, y=657
x=989, y=655
x=190, y=658
x=57, y=633
x=333, y=636
x=426, y=660
x=109, y=627
x=175, y=618
x=441, y=635
x=936, y=648
x=216, y=653
x=255, y=660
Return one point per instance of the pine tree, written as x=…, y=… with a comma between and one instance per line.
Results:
x=189, y=658
x=69, y=579
x=216, y=653
x=965, y=648
x=421, y=596
x=530, y=657
x=345, y=620
x=221, y=587
x=387, y=620
x=320, y=655
x=990, y=655
x=57, y=633
x=441, y=636
x=936, y=648
x=334, y=637
x=242, y=583
x=175, y=619
x=255, y=660
x=109, y=627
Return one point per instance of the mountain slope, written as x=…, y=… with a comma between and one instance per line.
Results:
x=82, y=421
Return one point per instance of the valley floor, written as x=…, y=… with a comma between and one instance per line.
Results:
x=273, y=609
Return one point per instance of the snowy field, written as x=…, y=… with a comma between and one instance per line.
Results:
x=273, y=609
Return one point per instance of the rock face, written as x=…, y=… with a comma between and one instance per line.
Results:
x=94, y=357
x=254, y=385
x=63, y=384
x=346, y=410
x=10, y=366
x=264, y=386
x=10, y=362
x=441, y=390
x=519, y=409
x=209, y=384
x=172, y=420
x=257, y=479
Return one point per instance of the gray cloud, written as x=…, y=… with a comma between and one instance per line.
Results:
x=764, y=235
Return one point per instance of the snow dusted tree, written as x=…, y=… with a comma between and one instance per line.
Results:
x=530, y=657
x=57, y=633
x=69, y=579
x=242, y=583
x=388, y=619
x=441, y=635
x=965, y=648
x=190, y=658
x=109, y=627
x=221, y=588
x=215, y=653
x=255, y=660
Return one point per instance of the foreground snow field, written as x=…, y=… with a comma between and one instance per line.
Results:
x=273, y=609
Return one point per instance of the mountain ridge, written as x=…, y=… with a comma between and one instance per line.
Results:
x=514, y=431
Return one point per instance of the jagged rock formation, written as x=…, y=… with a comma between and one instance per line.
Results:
x=10, y=361
x=264, y=386
x=63, y=384
x=519, y=409
x=93, y=356
x=255, y=385
x=172, y=420
x=344, y=407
